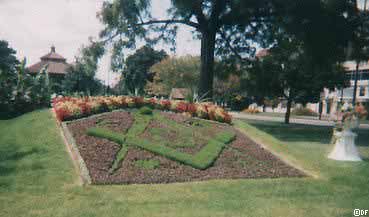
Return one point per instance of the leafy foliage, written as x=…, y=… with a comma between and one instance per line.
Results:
x=77, y=81
x=136, y=72
x=145, y=111
x=8, y=76
x=81, y=78
x=230, y=29
x=20, y=92
x=290, y=72
x=181, y=72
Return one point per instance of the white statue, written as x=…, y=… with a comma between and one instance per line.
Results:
x=345, y=148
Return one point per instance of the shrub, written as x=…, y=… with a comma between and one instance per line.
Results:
x=145, y=111
x=69, y=108
x=251, y=111
x=192, y=108
x=202, y=112
x=304, y=112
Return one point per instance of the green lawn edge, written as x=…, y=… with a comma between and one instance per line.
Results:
x=276, y=147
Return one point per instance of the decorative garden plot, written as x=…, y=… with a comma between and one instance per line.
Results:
x=127, y=146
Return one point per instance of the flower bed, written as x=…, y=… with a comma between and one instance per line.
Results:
x=70, y=108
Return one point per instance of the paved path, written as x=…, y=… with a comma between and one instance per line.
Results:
x=292, y=120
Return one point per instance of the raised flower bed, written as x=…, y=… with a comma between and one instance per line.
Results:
x=71, y=108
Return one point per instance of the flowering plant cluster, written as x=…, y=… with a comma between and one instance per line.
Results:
x=350, y=112
x=70, y=108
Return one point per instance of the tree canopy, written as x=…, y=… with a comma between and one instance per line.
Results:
x=181, y=72
x=8, y=60
x=230, y=28
x=290, y=72
x=136, y=73
x=81, y=77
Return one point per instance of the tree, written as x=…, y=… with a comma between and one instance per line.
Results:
x=81, y=77
x=290, y=72
x=227, y=28
x=181, y=72
x=358, y=48
x=8, y=76
x=8, y=60
x=215, y=21
x=136, y=72
x=78, y=81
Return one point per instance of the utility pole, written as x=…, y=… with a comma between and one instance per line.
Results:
x=355, y=83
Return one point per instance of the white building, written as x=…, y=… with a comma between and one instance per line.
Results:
x=330, y=99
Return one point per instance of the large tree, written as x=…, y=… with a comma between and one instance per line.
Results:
x=358, y=48
x=181, y=72
x=81, y=76
x=8, y=75
x=290, y=72
x=135, y=72
x=214, y=21
x=228, y=28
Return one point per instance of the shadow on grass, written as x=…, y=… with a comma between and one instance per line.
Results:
x=305, y=133
x=10, y=156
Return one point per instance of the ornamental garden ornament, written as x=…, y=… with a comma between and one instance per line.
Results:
x=343, y=137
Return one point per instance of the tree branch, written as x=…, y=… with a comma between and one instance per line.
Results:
x=185, y=22
x=196, y=7
x=229, y=45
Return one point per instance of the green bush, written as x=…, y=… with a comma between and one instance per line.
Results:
x=201, y=160
x=303, y=112
x=145, y=111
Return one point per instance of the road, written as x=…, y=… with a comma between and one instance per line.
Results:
x=292, y=120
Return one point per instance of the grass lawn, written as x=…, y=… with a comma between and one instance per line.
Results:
x=37, y=178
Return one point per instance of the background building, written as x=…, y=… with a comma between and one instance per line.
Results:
x=331, y=99
x=57, y=68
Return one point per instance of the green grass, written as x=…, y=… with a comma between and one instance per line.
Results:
x=147, y=164
x=185, y=135
x=37, y=178
x=145, y=111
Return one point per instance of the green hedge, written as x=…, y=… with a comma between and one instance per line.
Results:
x=201, y=160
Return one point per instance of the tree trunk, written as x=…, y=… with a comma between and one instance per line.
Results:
x=355, y=84
x=288, y=112
x=207, y=64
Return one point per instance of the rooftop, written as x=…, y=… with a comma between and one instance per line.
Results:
x=56, y=64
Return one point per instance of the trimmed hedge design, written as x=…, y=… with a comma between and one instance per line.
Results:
x=201, y=160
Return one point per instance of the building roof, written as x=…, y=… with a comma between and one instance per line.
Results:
x=262, y=53
x=179, y=93
x=351, y=65
x=56, y=63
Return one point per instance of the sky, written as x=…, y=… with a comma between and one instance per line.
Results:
x=32, y=26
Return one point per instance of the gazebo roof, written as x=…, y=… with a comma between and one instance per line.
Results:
x=57, y=64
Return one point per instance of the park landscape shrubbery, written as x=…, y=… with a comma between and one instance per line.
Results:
x=70, y=108
x=303, y=112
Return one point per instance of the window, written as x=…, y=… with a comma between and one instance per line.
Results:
x=362, y=91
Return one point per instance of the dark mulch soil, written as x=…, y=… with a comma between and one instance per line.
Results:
x=241, y=159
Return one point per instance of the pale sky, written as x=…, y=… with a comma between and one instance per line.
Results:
x=32, y=26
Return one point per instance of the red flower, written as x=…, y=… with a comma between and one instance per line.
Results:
x=62, y=114
x=165, y=104
x=191, y=108
x=181, y=107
